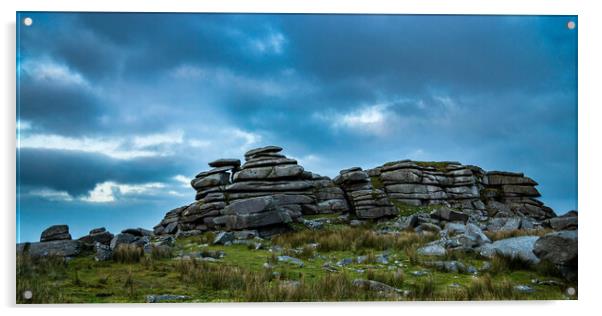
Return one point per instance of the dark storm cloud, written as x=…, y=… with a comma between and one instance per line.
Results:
x=78, y=172
x=334, y=90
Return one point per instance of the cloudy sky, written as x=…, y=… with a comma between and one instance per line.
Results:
x=117, y=112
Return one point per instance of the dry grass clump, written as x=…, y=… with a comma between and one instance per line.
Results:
x=161, y=252
x=127, y=253
x=503, y=234
x=505, y=265
x=395, y=279
x=484, y=288
x=351, y=238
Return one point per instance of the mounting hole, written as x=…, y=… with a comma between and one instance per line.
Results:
x=27, y=295
x=571, y=25
x=571, y=291
x=27, y=21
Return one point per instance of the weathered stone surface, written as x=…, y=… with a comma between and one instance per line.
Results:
x=61, y=248
x=213, y=171
x=262, y=150
x=123, y=238
x=98, y=230
x=270, y=186
x=103, y=237
x=516, y=247
x=268, y=162
x=253, y=220
x=103, y=252
x=563, y=223
x=137, y=232
x=449, y=215
x=559, y=248
x=263, y=173
x=496, y=178
x=211, y=180
x=374, y=286
x=56, y=232
x=432, y=250
x=225, y=163
x=223, y=237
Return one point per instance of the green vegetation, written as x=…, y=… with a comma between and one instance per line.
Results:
x=407, y=209
x=376, y=182
x=438, y=165
x=246, y=274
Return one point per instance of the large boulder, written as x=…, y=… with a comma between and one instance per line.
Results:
x=566, y=222
x=123, y=238
x=56, y=232
x=561, y=249
x=515, y=248
x=61, y=248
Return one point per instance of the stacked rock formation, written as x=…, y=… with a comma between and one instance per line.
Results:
x=517, y=193
x=366, y=201
x=270, y=189
x=420, y=183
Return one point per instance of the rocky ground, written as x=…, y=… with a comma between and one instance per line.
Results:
x=268, y=230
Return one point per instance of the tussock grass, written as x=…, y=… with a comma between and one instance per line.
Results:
x=127, y=253
x=505, y=265
x=497, y=235
x=158, y=252
x=351, y=238
x=393, y=278
x=31, y=276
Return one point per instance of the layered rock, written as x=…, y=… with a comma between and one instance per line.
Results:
x=366, y=201
x=270, y=189
x=427, y=183
x=518, y=195
x=55, y=232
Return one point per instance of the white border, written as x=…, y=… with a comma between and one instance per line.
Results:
x=589, y=27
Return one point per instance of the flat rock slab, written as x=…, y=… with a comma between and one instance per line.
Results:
x=266, y=149
x=516, y=247
x=62, y=248
x=226, y=162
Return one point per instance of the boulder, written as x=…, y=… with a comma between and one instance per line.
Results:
x=56, y=232
x=432, y=250
x=223, y=237
x=97, y=230
x=374, y=286
x=211, y=180
x=559, y=248
x=225, y=163
x=104, y=237
x=290, y=260
x=563, y=223
x=516, y=247
x=61, y=248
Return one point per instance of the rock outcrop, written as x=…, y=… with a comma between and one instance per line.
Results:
x=55, y=232
x=268, y=189
x=271, y=190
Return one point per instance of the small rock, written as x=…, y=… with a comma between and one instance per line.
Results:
x=432, y=250
x=344, y=262
x=524, y=289
x=165, y=298
x=223, y=237
x=290, y=260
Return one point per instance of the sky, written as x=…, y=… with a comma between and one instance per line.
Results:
x=117, y=112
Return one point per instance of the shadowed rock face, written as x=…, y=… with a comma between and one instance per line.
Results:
x=270, y=189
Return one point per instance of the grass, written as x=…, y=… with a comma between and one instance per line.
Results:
x=127, y=253
x=438, y=165
x=241, y=276
x=376, y=182
x=497, y=235
x=407, y=209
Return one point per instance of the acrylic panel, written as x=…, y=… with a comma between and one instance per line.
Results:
x=207, y=157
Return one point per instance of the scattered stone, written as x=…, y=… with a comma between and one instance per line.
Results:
x=374, y=286
x=290, y=260
x=524, y=289
x=345, y=262
x=432, y=250
x=165, y=298
x=223, y=237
